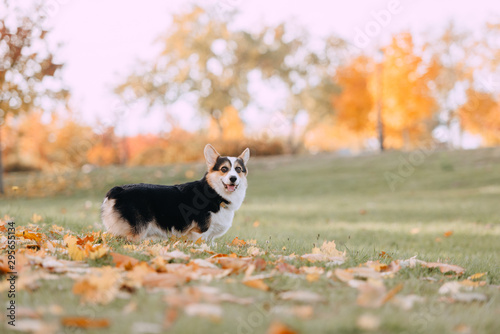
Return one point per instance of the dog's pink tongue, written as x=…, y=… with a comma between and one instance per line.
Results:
x=231, y=188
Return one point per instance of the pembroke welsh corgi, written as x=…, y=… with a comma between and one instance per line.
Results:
x=203, y=208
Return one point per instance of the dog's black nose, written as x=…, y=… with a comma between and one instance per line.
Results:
x=233, y=179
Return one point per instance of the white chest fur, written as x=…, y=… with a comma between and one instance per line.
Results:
x=220, y=222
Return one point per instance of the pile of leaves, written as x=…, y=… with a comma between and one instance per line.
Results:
x=183, y=271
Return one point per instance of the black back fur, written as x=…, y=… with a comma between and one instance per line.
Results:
x=170, y=206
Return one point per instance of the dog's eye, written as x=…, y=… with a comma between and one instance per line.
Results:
x=238, y=169
x=224, y=169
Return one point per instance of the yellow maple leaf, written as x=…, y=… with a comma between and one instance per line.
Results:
x=79, y=253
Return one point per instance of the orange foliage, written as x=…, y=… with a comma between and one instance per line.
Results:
x=408, y=104
x=32, y=142
x=481, y=115
x=354, y=106
x=104, y=152
x=230, y=125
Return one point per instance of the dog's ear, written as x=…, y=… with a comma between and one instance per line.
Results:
x=211, y=156
x=245, y=155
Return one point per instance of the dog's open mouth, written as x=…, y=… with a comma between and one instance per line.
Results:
x=230, y=187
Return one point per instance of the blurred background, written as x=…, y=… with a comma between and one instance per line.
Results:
x=96, y=83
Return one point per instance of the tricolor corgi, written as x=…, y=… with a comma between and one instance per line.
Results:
x=203, y=208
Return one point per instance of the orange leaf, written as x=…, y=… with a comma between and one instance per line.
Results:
x=257, y=284
x=124, y=261
x=279, y=328
x=238, y=242
x=84, y=322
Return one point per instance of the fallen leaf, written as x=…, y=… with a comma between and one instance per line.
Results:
x=368, y=322
x=476, y=276
x=371, y=294
x=303, y=312
x=445, y=268
x=85, y=323
x=162, y=280
x=79, y=253
x=211, y=311
x=312, y=277
x=277, y=327
x=100, y=286
x=176, y=254
x=256, y=284
x=124, y=261
x=254, y=251
x=301, y=296
x=238, y=242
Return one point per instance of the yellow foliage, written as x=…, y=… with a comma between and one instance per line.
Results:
x=481, y=115
x=86, y=251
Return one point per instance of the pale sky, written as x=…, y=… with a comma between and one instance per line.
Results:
x=104, y=39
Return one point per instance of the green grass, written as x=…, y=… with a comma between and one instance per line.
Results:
x=301, y=201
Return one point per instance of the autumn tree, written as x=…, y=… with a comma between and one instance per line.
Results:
x=453, y=53
x=480, y=114
x=28, y=70
x=201, y=60
x=307, y=75
x=408, y=105
x=354, y=105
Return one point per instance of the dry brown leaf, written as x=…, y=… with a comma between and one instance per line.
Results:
x=371, y=294
x=235, y=264
x=162, y=280
x=176, y=254
x=443, y=267
x=123, y=261
x=238, y=242
x=344, y=275
x=84, y=322
x=100, y=286
x=284, y=267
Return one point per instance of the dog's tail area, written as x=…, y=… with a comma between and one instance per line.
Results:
x=112, y=218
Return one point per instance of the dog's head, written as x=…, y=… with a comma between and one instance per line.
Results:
x=226, y=175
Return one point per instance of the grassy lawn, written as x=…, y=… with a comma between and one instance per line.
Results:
x=443, y=208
